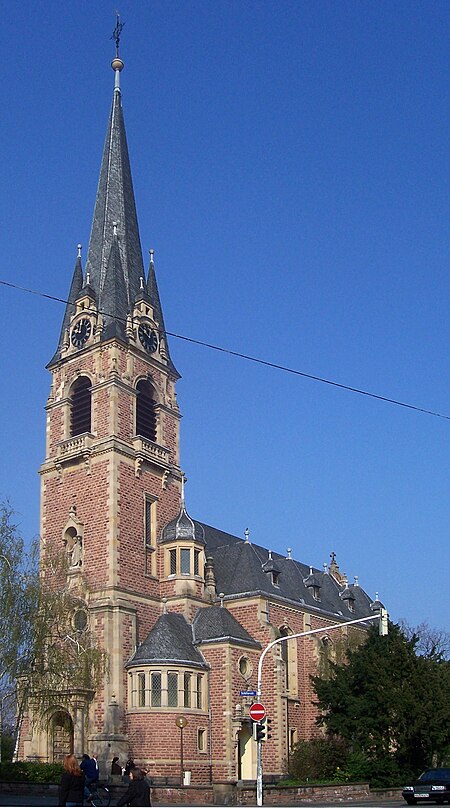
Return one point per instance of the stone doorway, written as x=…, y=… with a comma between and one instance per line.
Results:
x=61, y=736
x=246, y=754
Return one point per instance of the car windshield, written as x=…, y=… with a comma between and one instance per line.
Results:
x=436, y=774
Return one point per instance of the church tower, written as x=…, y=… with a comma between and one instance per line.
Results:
x=111, y=478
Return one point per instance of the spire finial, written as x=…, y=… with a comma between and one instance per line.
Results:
x=246, y=534
x=117, y=32
x=79, y=248
x=117, y=64
x=152, y=256
x=289, y=552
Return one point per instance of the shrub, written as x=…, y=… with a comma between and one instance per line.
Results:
x=30, y=771
x=317, y=759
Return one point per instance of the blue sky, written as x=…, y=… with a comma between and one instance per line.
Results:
x=291, y=173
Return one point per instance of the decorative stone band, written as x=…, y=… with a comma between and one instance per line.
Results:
x=73, y=446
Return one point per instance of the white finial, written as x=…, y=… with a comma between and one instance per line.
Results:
x=270, y=555
x=115, y=228
x=88, y=278
x=376, y=596
x=164, y=602
x=183, y=482
x=79, y=248
x=152, y=255
x=246, y=534
x=325, y=568
x=221, y=596
x=289, y=552
x=310, y=570
x=356, y=580
x=141, y=283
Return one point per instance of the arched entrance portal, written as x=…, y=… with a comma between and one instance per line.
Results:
x=60, y=736
x=246, y=754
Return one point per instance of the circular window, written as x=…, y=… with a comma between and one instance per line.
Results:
x=80, y=620
x=245, y=668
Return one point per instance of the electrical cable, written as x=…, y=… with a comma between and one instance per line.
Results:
x=249, y=358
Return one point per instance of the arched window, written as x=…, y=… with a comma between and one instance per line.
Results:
x=288, y=652
x=284, y=632
x=80, y=407
x=145, y=411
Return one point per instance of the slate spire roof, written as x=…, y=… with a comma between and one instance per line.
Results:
x=115, y=212
x=114, y=262
x=75, y=288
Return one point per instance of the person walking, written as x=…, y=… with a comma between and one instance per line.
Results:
x=116, y=768
x=71, y=787
x=138, y=792
x=89, y=767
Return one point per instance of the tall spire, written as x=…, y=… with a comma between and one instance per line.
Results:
x=115, y=211
x=114, y=265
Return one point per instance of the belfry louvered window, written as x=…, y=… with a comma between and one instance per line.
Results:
x=80, y=407
x=145, y=411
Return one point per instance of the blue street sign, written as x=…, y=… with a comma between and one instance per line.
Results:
x=247, y=693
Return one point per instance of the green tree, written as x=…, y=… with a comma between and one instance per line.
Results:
x=389, y=702
x=45, y=654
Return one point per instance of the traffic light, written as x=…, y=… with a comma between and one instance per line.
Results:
x=261, y=730
x=383, y=625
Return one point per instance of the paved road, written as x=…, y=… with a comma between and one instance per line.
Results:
x=43, y=802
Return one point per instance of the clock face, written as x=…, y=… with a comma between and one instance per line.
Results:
x=81, y=332
x=148, y=338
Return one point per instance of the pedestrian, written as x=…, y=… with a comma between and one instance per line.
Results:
x=116, y=768
x=138, y=792
x=71, y=787
x=90, y=768
x=129, y=765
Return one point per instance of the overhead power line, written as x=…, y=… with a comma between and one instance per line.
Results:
x=248, y=358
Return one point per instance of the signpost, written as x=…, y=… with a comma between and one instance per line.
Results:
x=257, y=711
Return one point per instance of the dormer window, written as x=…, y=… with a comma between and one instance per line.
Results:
x=349, y=598
x=312, y=584
x=270, y=568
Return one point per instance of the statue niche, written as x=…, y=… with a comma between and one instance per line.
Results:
x=73, y=542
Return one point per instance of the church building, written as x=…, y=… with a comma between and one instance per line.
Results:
x=183, y=609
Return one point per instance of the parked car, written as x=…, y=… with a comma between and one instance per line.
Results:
x=433, y=785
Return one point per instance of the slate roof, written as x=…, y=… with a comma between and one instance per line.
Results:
x=183, y=527
x=216, y=624
x=114, y=260
x=239, y=568
x=75, y=288
x=169, y=641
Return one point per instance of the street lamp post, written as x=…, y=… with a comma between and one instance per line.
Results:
x=381, y=615
x=181, y=722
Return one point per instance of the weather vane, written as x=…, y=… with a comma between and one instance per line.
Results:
x=117, y=32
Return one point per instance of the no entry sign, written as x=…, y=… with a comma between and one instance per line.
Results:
x=257, y=711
